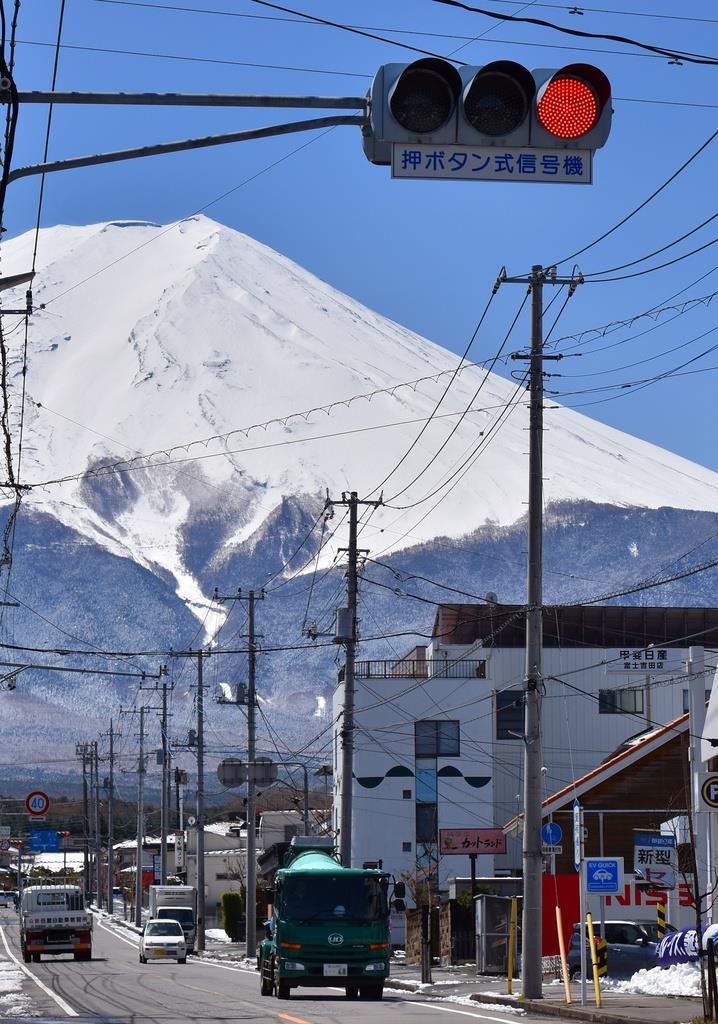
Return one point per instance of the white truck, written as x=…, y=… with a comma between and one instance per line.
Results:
x=176, y=903
x=53, y=920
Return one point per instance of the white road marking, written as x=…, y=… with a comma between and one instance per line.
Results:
x=48, y=991
x=209, y=963
x=117, y=935
x=465, y=1013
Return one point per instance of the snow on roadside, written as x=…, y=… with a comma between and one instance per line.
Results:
x=217, y=935
x=468, y=1001
x=678, y=980
x=13, y=1001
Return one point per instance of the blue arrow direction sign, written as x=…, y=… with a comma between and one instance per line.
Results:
x=44, y=841
x=604, y=875
x=551, y=834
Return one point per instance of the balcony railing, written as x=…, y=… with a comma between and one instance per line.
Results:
x=439, y=668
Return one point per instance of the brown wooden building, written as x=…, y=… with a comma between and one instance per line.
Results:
x=644, y=783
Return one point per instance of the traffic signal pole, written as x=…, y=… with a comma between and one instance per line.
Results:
x=533, y=681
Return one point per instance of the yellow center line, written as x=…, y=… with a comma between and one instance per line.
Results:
x=294, y=1020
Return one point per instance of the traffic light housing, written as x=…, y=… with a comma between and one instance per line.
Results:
x=500, y=104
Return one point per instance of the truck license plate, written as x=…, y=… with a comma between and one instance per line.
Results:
x=335, y=970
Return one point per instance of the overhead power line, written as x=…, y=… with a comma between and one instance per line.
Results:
x=689, y=58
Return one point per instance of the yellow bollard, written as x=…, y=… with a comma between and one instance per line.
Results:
x=661, y=919
x=512, y=946
x=594, y=961
x=564, y=960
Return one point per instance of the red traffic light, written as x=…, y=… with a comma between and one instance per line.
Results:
x=571, y=102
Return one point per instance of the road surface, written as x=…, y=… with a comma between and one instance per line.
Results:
x=115, y=987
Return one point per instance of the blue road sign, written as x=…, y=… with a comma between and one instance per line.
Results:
x=604, y=875
x=551, y=834
x=44, y=841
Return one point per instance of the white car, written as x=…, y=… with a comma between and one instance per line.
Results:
x=163, y=940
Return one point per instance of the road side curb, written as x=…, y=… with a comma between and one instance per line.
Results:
x=546, y=1008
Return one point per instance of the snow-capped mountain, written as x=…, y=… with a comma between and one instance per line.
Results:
x=228, y=390
x=154, y=337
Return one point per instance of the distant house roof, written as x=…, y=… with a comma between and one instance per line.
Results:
x=131, y=844
x=612, y=626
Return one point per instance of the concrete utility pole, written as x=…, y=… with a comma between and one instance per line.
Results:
x=350, y=641
x=81, y=751
x=140, y=820
x=98, y=828
x=251, y=902
x=111, y=821
x=251, y=873
x=201, y=909
x=533, y=685
x=164, y=805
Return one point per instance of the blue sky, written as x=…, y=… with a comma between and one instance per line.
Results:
x=423, y=253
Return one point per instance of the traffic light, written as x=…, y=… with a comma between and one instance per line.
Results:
x=500, y=104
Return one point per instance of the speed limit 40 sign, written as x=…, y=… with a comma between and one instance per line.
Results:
x=37, y=803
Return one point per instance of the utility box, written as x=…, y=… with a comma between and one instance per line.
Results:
x=343, y=626
x=493, y=919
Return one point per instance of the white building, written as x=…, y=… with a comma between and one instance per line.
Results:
x=438, y=738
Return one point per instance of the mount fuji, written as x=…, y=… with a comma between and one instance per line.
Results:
x=191, y=398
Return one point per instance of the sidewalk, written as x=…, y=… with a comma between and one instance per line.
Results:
x=617, y=1008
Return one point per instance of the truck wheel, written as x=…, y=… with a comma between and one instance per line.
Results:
x=352, y=991
x=36, y=958
x=181, y=959
x=371, y=991
x=282, y=990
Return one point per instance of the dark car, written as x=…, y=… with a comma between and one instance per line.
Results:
x=630, y=949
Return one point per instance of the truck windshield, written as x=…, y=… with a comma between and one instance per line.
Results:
x=333, y=897
x=182, y=914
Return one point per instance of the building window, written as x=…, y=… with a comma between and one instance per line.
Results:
x=620, y=702
x=406, y=847
x=406, y=794
x=686, y=700
x=510, y=715
x=426, y=823
x=436, y=739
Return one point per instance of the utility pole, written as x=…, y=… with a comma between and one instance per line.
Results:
x=349, y=638
x=200, y=655
x=533, y=683
x=98, y=828
x=140, y=820
x=200, y=803
x=111, y=821
x=251, y=901
x=251, y=872
x=164, y=783
x=81, y=750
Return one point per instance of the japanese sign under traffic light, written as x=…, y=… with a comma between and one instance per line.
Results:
x=501, y=105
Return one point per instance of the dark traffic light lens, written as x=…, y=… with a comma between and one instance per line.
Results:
x=495, y=104
x=567, y=107
x=422, y=101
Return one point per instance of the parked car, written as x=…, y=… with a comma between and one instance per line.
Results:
x=7, y=899
x=630, y=949
x=163, y=940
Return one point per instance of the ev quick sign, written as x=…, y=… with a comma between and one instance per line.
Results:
x=604, y=875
